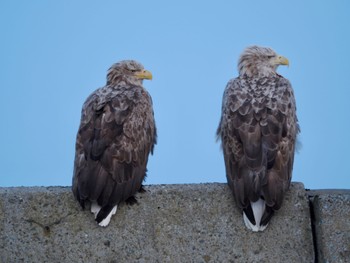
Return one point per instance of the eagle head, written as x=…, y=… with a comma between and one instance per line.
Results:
x=260, y=61
x=129, y=71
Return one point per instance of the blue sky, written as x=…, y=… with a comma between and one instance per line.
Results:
x=55, y=53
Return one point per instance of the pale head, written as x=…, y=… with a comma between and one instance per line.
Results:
x=260, y=61
x=128, y=71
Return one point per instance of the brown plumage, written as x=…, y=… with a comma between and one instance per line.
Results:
x=258, y=130
x=116, y=134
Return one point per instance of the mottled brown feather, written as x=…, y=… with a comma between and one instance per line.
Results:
x=258, y=130
x=116, y=134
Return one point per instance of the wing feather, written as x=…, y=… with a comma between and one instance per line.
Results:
x=258, y=129
x=116, y=135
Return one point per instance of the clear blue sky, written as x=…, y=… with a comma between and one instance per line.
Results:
x=53, y=54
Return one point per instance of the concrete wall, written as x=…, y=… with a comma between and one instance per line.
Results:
x=331, y=219
x=172, y=223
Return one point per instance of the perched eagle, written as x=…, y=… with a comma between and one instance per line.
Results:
x=116, y=134
x=258, y=130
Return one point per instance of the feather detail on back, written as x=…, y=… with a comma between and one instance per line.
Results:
x=116, y=134
x=258, y=130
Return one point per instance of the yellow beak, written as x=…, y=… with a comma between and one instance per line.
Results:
x=281, y=60
x=143, y=74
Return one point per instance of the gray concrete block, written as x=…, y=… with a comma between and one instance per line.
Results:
x=332, y=224
x=170, y=223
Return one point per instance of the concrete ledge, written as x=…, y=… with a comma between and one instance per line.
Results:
x=171, y=223
x=331, y=209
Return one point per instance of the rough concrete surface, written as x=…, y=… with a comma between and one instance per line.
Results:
x=170, y=223
x=332, y=224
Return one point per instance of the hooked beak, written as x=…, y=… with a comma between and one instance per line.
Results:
x=281, y=60
x=143, y=74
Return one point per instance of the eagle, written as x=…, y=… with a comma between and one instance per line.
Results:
x=258, y=131
x=117, y=133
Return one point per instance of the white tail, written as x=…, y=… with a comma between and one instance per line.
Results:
x=95, y=208
x=258, y=208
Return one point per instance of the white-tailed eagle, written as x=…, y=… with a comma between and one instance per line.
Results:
x=258, y=130
x=116, y=134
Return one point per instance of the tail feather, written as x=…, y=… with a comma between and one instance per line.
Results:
x=103, y=215
x=257, y=216
x=267, y=215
